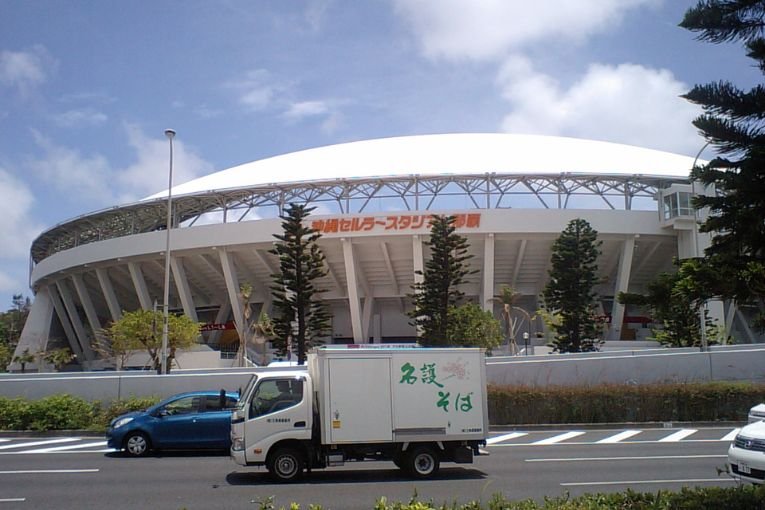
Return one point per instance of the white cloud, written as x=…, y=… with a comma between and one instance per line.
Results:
x=627, y=104
x=149, y=174
x=24, y=70
x=306, y=109
x=93, y=181
x=256, y=90
x=82, y=117
x=488, y=29
x=18, y=228
x=81, y=177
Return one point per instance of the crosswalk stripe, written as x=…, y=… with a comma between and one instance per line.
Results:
x=68, y=447
x=730, y=436
x=39, y=443
x=559, y=438
x=619, y=437
x=678, y=436
x=505, y=437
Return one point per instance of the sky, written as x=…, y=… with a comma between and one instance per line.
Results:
x=87, y=88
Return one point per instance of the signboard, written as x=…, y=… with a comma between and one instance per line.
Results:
x=398, y=222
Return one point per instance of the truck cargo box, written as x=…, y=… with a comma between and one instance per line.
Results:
x=394, y=394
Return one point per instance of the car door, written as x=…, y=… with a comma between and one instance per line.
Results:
x=175, y=423
x=213, y=423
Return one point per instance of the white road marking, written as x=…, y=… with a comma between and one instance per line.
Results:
x=68, y=447
x=48, y=471
x=633, y=482
x=652, y=457
x=558, y=438
x=730, y=436
x=619, y=437
x=39, y=443
x=505, y=437
x=12, y=500
x=4, y=440
x=678, y=436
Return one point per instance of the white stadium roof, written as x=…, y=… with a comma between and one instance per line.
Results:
x=443, y=154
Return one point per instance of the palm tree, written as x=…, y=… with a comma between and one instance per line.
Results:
x=511, y=323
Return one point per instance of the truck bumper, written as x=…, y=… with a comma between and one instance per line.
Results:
x=238, y=457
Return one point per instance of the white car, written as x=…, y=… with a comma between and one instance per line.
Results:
x=746, y=455
x=757, y=413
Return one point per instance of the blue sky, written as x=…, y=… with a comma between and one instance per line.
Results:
x=88, y=88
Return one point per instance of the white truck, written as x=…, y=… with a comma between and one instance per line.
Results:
x=414, y=406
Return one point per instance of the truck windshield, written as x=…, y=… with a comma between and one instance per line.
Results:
x=244, y=395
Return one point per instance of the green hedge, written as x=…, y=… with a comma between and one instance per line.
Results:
x=64, y=412
x=609, y=403
x=517, y=405
x=744, y=497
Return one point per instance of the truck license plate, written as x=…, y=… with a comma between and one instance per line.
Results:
x=744, y=469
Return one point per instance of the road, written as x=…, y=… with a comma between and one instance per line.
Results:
x=76, y=473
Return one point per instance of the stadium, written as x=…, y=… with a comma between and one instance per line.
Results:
x=512, y=195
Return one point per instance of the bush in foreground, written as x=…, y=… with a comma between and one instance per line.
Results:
x=697, y=498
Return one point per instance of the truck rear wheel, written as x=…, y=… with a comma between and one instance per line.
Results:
x=422, y=462
x=286, y=464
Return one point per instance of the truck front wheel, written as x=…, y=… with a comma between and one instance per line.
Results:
x=286, y=464
x=422, y=462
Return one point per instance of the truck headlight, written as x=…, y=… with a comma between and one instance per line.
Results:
x=237, y=444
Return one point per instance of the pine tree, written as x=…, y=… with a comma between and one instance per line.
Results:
x=439, y=290
x=570, y=289
x=300, y=318
x=733, y=123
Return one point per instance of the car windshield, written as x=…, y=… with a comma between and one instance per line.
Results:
x=244, y=395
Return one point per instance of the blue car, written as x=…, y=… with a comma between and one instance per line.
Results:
x=187, y=421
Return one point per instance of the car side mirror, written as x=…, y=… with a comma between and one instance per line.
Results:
x=161, y=413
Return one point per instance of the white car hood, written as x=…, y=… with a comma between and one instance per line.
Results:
x=754, y=430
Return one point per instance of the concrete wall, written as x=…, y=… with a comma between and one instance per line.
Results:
x=733, y=363
x=107, y=386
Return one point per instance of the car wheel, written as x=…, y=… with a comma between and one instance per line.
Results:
x=286, y=464
x=422, y=462
x=137, y=444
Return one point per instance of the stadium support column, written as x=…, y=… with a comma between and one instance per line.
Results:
x=487, y=303
x=87, y=303
x=108, y=291
x=182, y=284
x=232, y=286
x=79, y=330
x=36, y=332
x=353, y=290
x=141, y=290
x=64, y=320
x=622, y=284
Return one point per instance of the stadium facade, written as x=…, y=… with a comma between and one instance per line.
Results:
x=512, y=195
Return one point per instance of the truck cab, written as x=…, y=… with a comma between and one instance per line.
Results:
x=274, y=420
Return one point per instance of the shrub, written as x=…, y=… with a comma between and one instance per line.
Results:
x=611, y=403
x=61, y=412
x=14, y=413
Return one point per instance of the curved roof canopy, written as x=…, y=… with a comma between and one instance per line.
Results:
x=464, y=154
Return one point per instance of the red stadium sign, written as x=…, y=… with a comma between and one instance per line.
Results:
x=396, y=222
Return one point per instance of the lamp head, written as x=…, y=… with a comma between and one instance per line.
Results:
x=169, y=133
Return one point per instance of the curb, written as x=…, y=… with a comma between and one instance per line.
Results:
x=619, y=425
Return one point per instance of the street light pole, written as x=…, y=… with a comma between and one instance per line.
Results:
x=169, y=133
x=696, y=219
